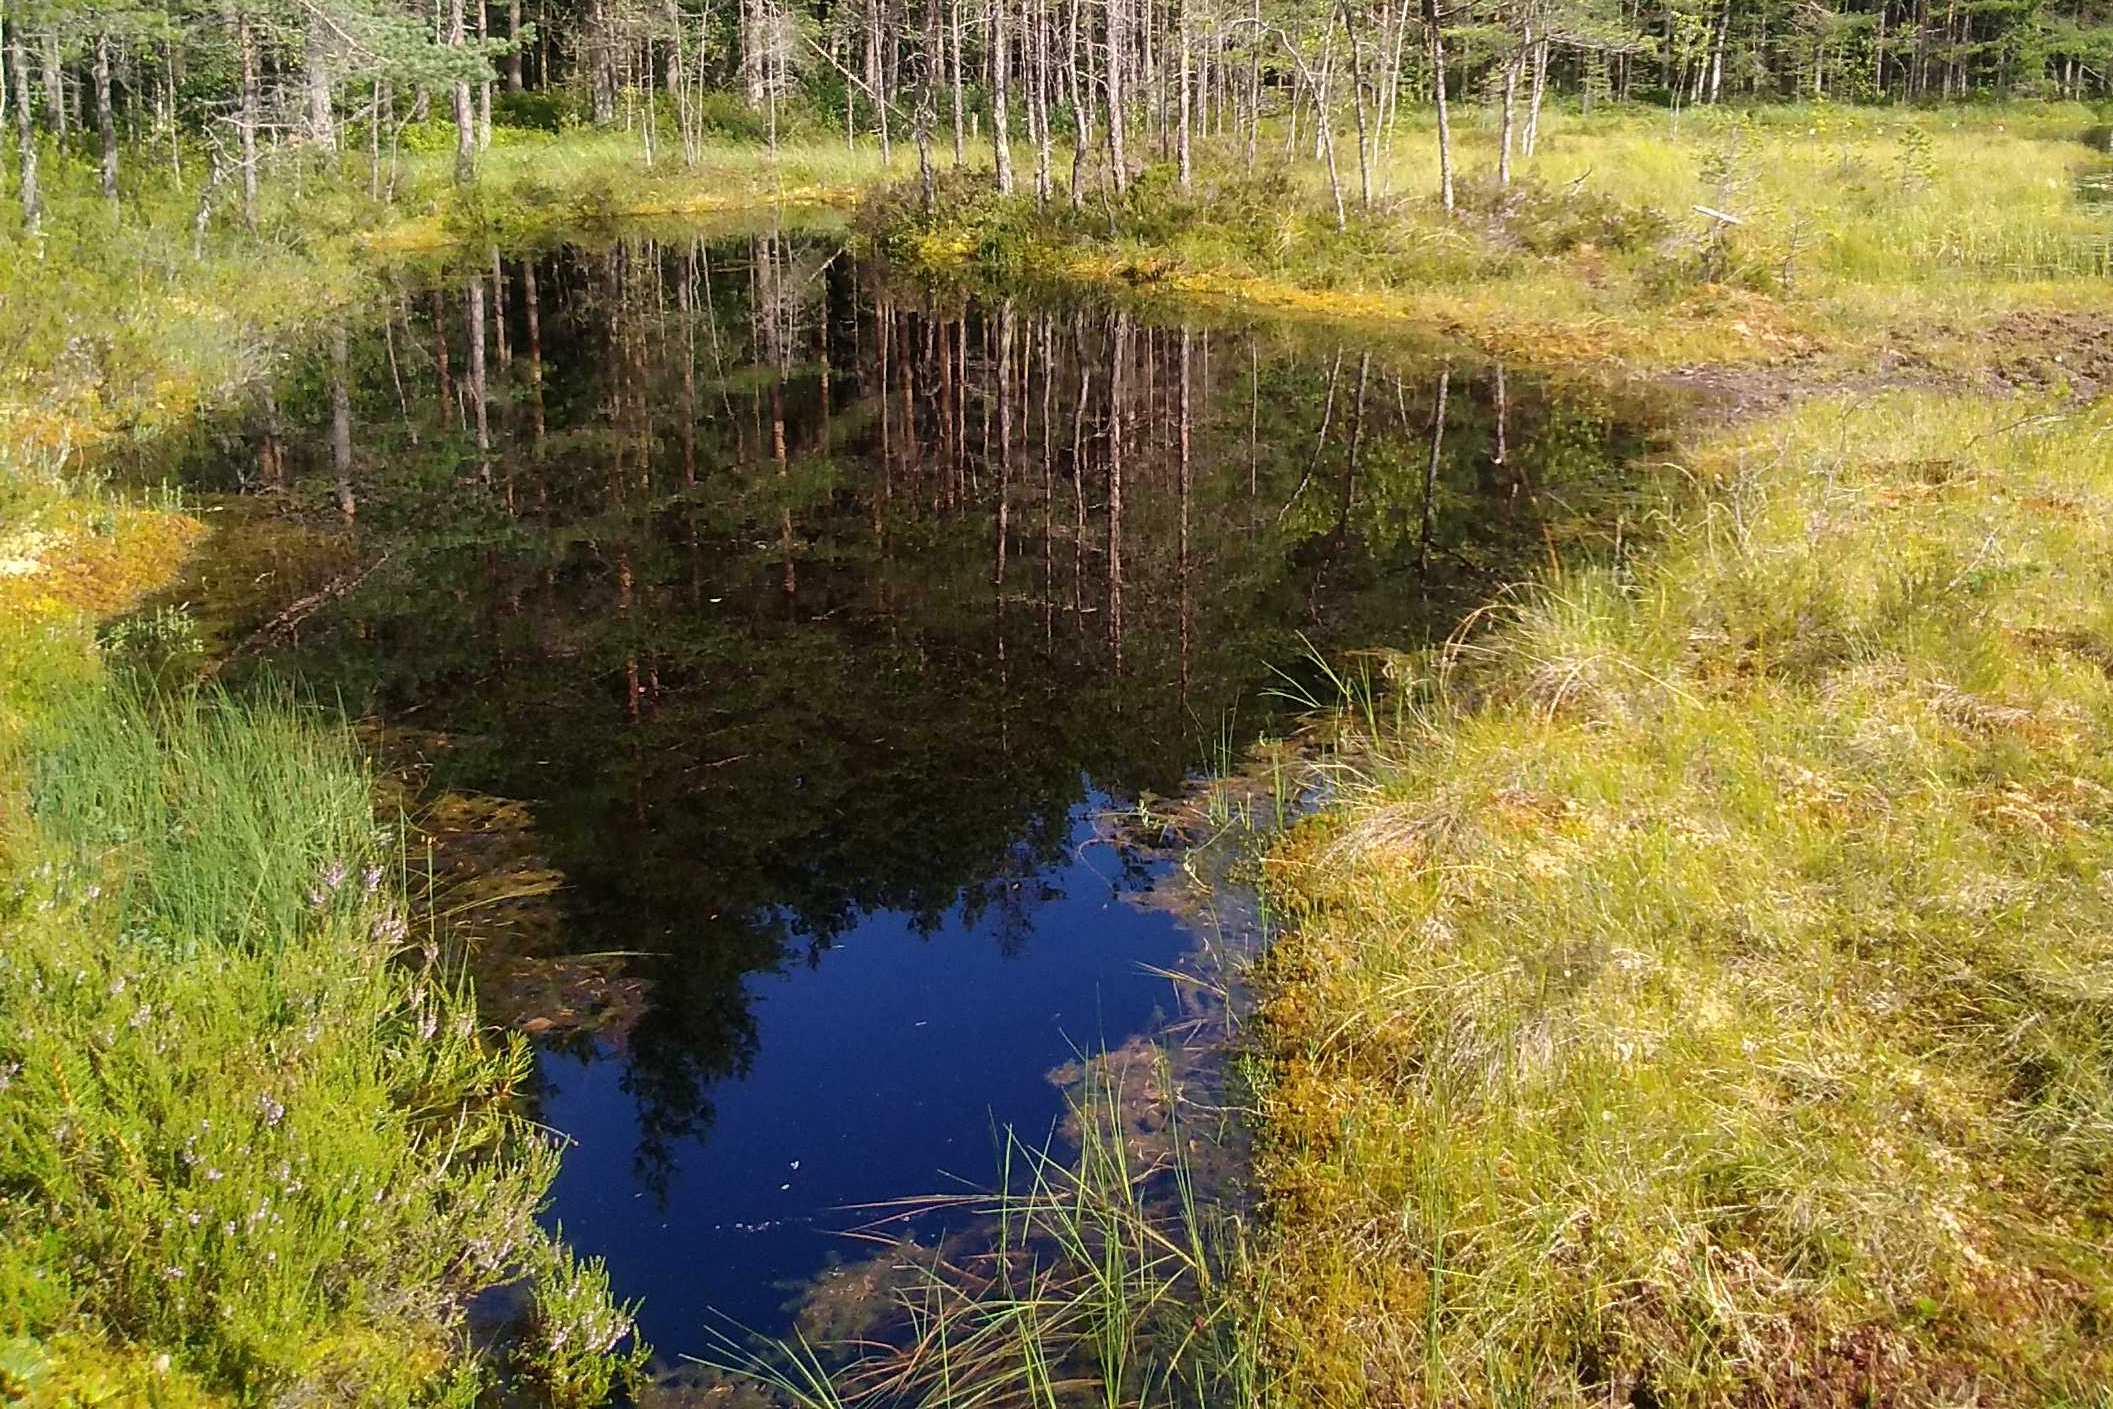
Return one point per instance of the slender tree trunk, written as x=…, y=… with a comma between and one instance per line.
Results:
x=1532, y=136
x=513, y=34
x=1184, y=165
x=1040, y=38
x=484, y=89
x=1254, y=89
x=1081, y=115
x=341, y=423
x=1716, y=63
x=600, y=62
x=1357, y=92
x=106, y=120
x=1326, y=121
x=246, y=117
x=1118, y=162
x=315, y=75
x=1511, y=111
x=465, y=110
x=25, y=135
x=954, y=61
x=479, y=396
x=1445, y=126
x=929, y=59
x=1000, y=100
x=1430, y=473
x=874, y=86
x=54, y=85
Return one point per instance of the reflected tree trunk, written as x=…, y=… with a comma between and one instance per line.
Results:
x=478, y=391
x=1118, y=358
x=1430, y=473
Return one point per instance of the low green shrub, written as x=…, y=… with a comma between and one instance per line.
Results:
x=248, y=1122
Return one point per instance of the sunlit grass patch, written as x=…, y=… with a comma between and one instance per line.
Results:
x=246, y=1135
x=1861, y=234
x=1707, y=990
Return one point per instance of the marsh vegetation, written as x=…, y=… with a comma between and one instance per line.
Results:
x=624, y=629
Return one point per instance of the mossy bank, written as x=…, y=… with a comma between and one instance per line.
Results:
x=1700, y=992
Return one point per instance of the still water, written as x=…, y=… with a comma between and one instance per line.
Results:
x=813, y=635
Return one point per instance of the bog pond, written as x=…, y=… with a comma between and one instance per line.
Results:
x=786, y=660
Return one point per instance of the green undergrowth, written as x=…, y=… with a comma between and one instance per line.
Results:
x=1701, y=987
x=254, y=1144
x=125, y=326
x=1861, y=231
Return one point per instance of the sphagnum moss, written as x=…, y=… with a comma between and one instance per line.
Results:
x=1708, y=994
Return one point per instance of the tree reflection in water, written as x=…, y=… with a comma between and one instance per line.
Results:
x=790, y=598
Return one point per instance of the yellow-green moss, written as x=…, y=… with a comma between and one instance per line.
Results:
x=1706, y=989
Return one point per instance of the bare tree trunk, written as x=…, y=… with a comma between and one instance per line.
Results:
x=1511, y=111
x=479, y=396
x=1001, y=97
x=246, y=118
x=1081, y=113
x=1716, y=63
x=954, y=56
x=465, y=112
x=1357, y=92
x=484, y=89
x=1254, y=90
x=374, y=141
x=1532, y=137
x=315, y=74
x=341, y=423
x=1445, y=126
x=106, y=120
x=1118, y=162
x=513, y=34
x=25, y=135
x=752, y=56
x=1430, y=473
x=874, y=87
x=601, y=80
x=929, y=58
x=54, y=85
x=1184, y=164
x=1040, y=39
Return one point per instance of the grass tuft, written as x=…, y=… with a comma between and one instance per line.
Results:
x=1704, y=993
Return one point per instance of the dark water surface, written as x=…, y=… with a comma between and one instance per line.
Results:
x=813, y=628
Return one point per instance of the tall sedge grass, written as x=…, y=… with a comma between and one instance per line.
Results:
x=249, y=1137
x=1100, y=1276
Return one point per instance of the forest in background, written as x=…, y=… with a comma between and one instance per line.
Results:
x=225, y=92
